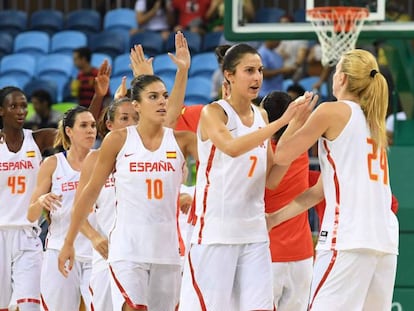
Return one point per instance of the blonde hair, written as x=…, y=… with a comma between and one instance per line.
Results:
x=366, y=82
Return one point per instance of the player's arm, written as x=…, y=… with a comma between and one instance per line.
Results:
x=42, y=198
x=213, y=120
x=301, y=203
x=188, y=143
x=110, y=147
x=182, y=59
x=45, y=138
x=99, y=242
x=101, y=89
x=86, y=198
x=289, y=148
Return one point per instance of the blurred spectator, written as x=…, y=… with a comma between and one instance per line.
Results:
x=191, y=14
x=396, y=12
x=215, y=14
x=44, y=115
x=314, y=65
x=154, y=15
x=293, y=52
x=274, y=70
x=82, y=88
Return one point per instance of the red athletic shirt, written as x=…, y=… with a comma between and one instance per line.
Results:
x=291, y=240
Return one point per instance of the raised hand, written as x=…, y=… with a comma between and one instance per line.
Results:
x=182, y=57
x=122, y=89
x=140, y=65
x=303, y=112
x=297, y=107
x=102, y=79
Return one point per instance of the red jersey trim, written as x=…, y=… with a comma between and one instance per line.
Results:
x=195, y=285
x=125, y=295
x=208, y=169
x=45, y=307
x=28, y=300
x=337, y=196
x=324, y=277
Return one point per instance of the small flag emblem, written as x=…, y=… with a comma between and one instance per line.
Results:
x=171, y=154
x=30, y=154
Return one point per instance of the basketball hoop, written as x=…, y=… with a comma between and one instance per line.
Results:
x=337, y=28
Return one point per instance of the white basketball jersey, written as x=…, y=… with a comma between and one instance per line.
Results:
x=230, y=191
x=65, y=182
x=357, y=191
x=105, y=217
x=18, y=174
x=147, y=185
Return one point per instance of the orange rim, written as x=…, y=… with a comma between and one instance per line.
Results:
x=327, y=12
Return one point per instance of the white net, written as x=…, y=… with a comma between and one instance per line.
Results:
x=338, y=29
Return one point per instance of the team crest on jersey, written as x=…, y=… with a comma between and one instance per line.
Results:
x=322, y=236
x=30, y=154
x=171, y=154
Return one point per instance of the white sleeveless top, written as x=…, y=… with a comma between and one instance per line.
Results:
x=357, y=191
x=147, y=185
x=230, y=191
x=18, y=174
x=65, y=182
x=105, y=218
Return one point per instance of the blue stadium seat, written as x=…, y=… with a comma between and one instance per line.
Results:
x=198, y=91
x=107, y=42
x=58, y=63
x=204, y=65
x=152, y=42
x=85, y=20
x=164, y=66
x=169, y=82
x=58, y=68
x=33, y=42
x=211, y=40
x=121, y=65
x=39, y=84
x=193, y=41
x=6, y=44
x=47, y=20
x=269, y=15
x=68, y=40
x=98, y=58
x=121, y=18
x=13, y=21
x=21, y=66
x=308, y=82
x=10, y=81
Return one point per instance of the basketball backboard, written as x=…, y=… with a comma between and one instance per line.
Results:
x=379, y=25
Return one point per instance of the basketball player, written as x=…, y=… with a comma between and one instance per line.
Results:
x=56, y=185
x=20, y=246
x=148, y=160
x=121, y=114
x=229, y=265
x=359, y=233
x=291, y=244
